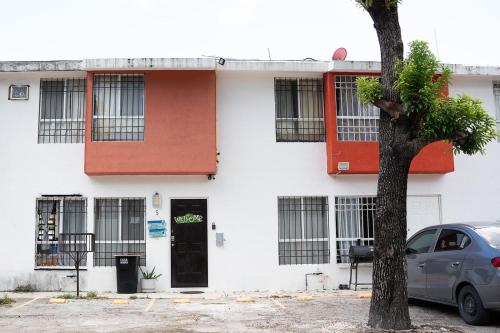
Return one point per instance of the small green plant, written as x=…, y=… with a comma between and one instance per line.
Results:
x=91, y=295
x=133, y=297
x=25, y=288
x=6, y=300
x=150, y=275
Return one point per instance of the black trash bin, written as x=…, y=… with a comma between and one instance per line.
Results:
x=126, y=273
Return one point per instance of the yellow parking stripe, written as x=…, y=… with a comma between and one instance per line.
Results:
x=150, y=304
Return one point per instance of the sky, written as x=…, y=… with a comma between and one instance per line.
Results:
x=458, y=31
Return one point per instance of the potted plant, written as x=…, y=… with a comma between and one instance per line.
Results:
x=148, y=282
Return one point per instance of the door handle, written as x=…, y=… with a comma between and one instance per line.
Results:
x=455, y=264
x=421, y=266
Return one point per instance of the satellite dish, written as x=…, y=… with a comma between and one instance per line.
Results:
x=339, y=54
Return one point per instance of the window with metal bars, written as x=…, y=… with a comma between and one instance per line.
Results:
x=355, y=221
x=119, y=229
x=118, y=107
x=62, y=110
x=355, y=121
x=299, y=110
x=303, y=230
x=496, y=93
x=56, y=215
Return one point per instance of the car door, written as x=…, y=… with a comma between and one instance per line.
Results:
x=417, y=251
x=445, y=262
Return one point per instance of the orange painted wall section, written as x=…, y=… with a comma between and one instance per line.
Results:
x=179, y=132
x=363, y=157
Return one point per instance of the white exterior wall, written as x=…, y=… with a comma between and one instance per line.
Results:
x=253, y=171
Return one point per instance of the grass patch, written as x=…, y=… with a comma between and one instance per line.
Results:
x=25, y=288
x=133, y=297
x=6, y=300
x=89, y=295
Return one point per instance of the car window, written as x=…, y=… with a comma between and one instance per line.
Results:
x=450, y=239
x=491, y=235
x=421, y=243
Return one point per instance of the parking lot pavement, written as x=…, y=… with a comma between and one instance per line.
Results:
x=325, y=312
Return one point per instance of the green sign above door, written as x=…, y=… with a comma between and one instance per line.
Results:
x=188, y=218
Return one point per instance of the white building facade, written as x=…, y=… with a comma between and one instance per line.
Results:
x=281, y=211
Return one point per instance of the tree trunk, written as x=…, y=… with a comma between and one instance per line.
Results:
x=389, y=304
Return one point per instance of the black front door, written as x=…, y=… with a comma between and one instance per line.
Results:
x=189, y=260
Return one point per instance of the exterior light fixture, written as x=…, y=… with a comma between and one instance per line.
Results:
x=221, y=61
x=156, y=199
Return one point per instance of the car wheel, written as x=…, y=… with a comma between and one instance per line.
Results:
x=471, y=308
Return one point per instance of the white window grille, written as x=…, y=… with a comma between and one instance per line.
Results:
x=303, y=230
x=62, y=110
x=118, y=107
x=496, y=93
x=355, y=121
x=355, y=222
x=56, y=215
x=119, y=229
x=299, y=110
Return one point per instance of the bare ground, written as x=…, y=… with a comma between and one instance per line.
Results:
x=327, y=312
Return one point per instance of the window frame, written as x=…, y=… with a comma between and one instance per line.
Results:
x=303, y=238
x=496, y=98
x=118, y=106
x=65, y=109
x=60, y=229
x=339, y=117
x=456, y=230
x=300, y=111
x=364, y=240
x=420, y=233
x=119, y=96
x=120, y=239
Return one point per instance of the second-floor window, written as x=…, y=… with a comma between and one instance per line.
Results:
x=299, y=110
x=355, y=121
x=62, y=110
x=118, y=107
x=496, y=93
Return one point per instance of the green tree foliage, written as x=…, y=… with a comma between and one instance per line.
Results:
x=421, y=81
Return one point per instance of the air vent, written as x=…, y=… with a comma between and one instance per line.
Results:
x=19, y=92
x=343, y=166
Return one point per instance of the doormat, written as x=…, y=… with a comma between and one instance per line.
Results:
x=192, y=292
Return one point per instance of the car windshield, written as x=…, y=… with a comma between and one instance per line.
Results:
x=491, y=235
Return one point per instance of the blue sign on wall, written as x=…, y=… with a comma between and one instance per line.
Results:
x=157, y=228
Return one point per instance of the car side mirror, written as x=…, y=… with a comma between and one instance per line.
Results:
x=410, y=251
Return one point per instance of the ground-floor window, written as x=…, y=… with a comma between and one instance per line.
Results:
x=355, y=218
x=303, y=230
x=56, y=215
x=119, y=229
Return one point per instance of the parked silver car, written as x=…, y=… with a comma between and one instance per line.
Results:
x=457, y=264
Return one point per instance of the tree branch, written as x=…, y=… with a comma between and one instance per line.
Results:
x=390, y=107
